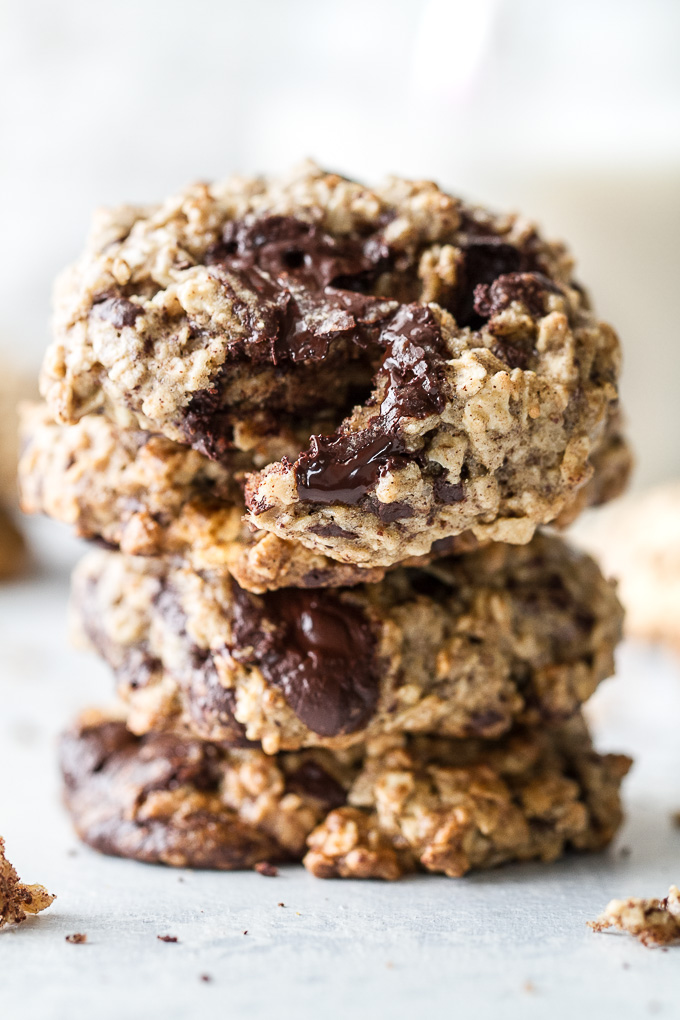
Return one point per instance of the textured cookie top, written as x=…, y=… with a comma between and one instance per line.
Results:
x=468, y=646
x=464, y=381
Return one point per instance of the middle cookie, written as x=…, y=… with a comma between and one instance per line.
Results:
x=468, y=646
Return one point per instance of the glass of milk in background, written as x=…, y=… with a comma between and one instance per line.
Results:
x=567, y=112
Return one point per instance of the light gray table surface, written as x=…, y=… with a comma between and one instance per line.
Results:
x=512, y=943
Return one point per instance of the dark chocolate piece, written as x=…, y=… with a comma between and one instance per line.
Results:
x=311, y=780
x=342, y=469
x=117, y=310
x=319, y=650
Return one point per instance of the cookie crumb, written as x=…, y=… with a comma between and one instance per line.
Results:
x=77, y=939
x=280, y=904
x=529, y=987
x=265, y=868
x=18, y=900
x=653, y=922
x=206, y=977
x=167, y=938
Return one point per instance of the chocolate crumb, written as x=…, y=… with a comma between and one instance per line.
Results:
x=280, y=904
x=77, y=939
x=265, y=868
x=167, y=938
x=206, y=978
x=245, y=932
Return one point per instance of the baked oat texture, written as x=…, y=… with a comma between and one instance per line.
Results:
x=17, y=900
x=638, y=543
x=481, y=383
x=149, y=496
x=380, y=812
x=653, y=922
x=468, y=646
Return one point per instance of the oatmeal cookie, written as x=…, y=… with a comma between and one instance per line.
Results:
x=653, y=922
x=638, y=543
x=379, y=812
x=466, y=383
x=16, y=899
x=149, y=496
x=468, y=646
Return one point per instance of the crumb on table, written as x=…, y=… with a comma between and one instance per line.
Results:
x=16, y=899
x=653, y=922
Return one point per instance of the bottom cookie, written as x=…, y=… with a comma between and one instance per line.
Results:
x=395, y=806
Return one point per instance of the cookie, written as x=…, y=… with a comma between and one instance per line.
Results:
x=464, y=380
x=13, y=555
x=399, y=805
x=149, y=496
x=16, y=899
x=638, y=543
x=468, y=646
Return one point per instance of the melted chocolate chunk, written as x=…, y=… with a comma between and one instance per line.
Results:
x=318, y=650
x=208, y=427
x=415, y=352
x=118, y=311
x=388, y=512
x=332, y=531
x=528, y=288
x=343, y=468
x=485, y=259
x=302, y=278
x=448, y=492
x=285, y=247
x=311, y=780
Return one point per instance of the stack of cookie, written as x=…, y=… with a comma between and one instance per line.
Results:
x=314, y=430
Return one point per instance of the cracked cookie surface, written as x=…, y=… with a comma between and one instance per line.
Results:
x=378, y=812
x=467, y=646
x=466, y=382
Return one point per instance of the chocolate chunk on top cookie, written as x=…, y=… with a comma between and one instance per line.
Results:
x=465, y=382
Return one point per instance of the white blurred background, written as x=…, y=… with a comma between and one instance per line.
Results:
x=569, y=112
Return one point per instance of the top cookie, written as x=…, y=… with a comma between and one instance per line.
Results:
x=445, y=369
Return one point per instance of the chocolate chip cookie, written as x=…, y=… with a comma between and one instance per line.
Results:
x=149, y=496
x=468, y=646
x=464, y=382
x=378, y=812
